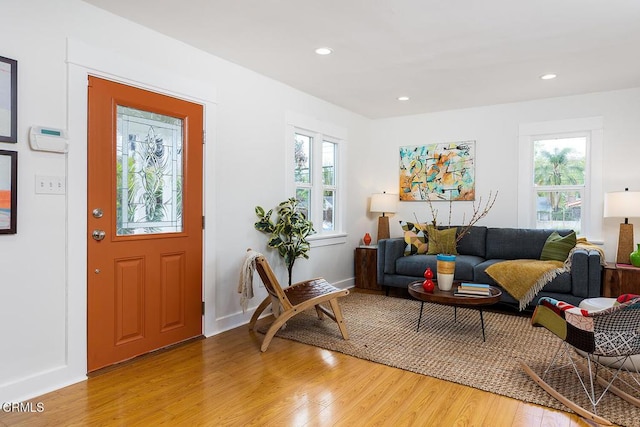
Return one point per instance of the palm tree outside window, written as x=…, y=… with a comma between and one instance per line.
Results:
x=559, y=179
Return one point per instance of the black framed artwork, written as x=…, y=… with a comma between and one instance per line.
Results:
x=8, y=100
x=8, y=191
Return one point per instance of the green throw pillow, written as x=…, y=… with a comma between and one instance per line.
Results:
x=415, y=238
x=442, y=241
x=557, y=248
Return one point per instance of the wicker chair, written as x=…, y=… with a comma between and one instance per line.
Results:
x=612, y=332
x=295, y=299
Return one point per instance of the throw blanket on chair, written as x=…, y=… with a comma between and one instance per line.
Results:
x=245, y=283
x=524, y=278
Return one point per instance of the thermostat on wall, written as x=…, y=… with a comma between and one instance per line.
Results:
x=48, y=139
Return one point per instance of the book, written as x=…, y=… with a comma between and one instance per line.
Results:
x=475, y=291
x=458, y=294
x=472, y=294
x=475, y=285
x=475, y=288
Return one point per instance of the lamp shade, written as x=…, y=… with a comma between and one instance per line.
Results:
x=383, y=202
x=622, y=204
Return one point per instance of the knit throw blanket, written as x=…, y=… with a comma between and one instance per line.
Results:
x=245, y=281
x=524, y=278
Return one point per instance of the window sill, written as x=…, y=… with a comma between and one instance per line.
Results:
x=327, y=239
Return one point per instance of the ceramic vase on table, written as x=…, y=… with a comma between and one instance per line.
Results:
x=635, y=257
x=366, y=239
x=446, y=266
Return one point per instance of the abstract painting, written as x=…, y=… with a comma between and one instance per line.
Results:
x=442, y=171
x=8, y=188
x=8, y=100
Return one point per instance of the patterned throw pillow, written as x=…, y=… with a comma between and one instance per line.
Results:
x=415, y=237
x=557, y=248
x=442, y=241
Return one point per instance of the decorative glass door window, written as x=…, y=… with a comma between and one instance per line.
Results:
x=149, y=172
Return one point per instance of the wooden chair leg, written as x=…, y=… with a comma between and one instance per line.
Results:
x=319, y=312
x=604, y=383
x=275, y=327
x=568, y=403
x=337, y=312
x=263, y=305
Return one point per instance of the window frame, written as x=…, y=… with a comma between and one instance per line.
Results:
x=319, y=132
x=584, y=188
x=591, y=211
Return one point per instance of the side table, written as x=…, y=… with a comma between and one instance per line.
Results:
x=366, y=270
x=620, y=279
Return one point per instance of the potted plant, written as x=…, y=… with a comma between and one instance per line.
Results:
x=289, y=232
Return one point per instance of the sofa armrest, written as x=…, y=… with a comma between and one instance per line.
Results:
x=586, y=273
x=389, y=250
x=595, y=274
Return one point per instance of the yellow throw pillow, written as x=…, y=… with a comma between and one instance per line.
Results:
x=442, y=241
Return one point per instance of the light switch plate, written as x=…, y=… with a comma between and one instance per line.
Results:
x=50, y=184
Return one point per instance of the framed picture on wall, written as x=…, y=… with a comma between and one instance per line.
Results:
x=439, y=171
x=8, y=100
x=8, y=191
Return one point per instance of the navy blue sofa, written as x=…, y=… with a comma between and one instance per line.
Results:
x=483, y=246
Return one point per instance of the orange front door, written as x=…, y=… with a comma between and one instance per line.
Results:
x=144, y=231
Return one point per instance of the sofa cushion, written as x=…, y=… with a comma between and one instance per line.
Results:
x=557, y=248
x=415, y=238
x=473, y=242
x=442, y=241
x=517, y=243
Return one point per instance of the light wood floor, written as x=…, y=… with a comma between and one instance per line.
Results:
x=226, y=381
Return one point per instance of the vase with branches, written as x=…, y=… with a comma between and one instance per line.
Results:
x=444, y=242
x=288, y=233
x=480, y=210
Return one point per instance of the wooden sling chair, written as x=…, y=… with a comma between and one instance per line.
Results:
x=295, y=299
x=610, y=333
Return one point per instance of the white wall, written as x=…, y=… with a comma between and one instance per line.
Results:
x=43, y=281
x=43, y=284
x=495, y=130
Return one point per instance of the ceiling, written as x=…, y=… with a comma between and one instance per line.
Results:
x=443, y=54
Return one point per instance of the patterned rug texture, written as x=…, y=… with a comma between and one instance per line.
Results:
x=383, y=330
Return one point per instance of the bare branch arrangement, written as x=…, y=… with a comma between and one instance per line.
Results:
x=480, y=210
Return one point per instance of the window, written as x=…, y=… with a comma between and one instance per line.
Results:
x=560, y=176
x=559, y=180
x=317, y=151
x=311, y=186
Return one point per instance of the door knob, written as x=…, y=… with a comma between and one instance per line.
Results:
x=98, y=234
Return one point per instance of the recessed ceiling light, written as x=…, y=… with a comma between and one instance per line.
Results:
x=324, y=51
x=548, y=76
x=403, y=98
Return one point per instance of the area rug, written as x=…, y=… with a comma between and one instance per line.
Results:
x=383, y=330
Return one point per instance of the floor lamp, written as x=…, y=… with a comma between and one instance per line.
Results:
x=623, y=204
x=385, y=203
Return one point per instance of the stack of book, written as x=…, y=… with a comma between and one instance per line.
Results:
x=473, y=290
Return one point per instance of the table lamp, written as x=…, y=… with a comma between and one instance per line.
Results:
x=623, y=204
x=385, y=203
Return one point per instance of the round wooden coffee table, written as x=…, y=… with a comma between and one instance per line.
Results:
x=449, y=298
